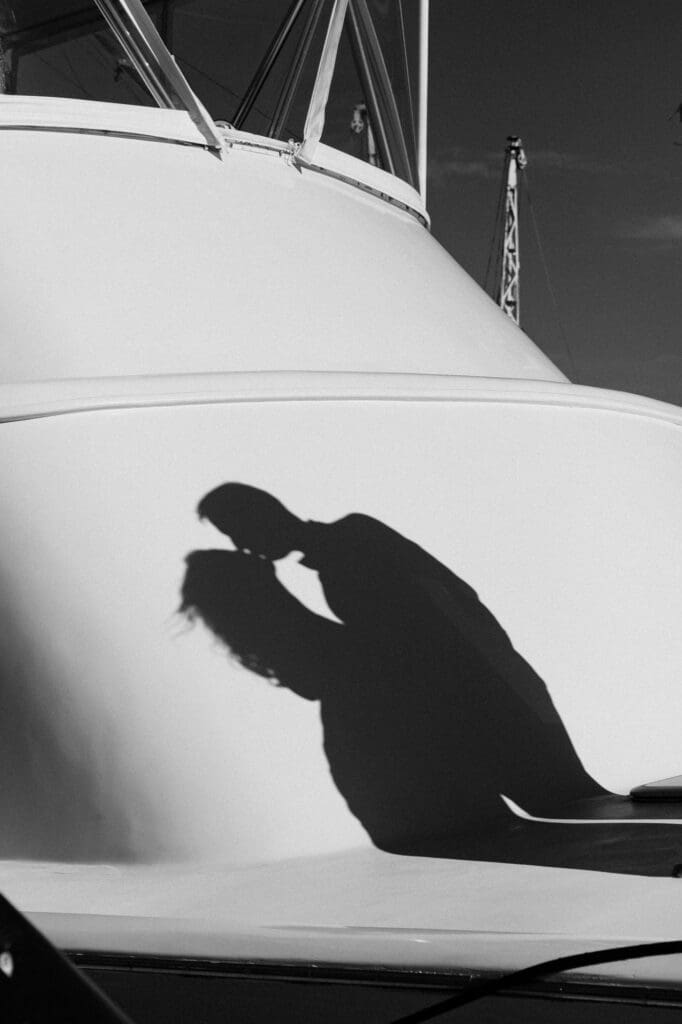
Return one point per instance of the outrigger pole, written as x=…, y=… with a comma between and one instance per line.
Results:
x=509, y=298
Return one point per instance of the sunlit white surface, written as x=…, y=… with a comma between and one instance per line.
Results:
x=205, y=760
x=356, y=907
x=162, y=258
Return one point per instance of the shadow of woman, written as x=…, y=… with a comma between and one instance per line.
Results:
x=429, y=715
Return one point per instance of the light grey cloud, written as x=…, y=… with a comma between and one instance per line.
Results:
x=661, y=228
x=460, y=162
x=550, y=159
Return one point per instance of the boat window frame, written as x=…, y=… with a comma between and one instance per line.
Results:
x=152, y=59
x=145, y=49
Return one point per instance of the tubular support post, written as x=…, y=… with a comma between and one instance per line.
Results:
x=314, y=122
x=266, y=65
x=144, y=47
x=294, y=75
x=423, y=96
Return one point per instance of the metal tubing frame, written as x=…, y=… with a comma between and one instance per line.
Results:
x=317, y=108
x=373, y=109
x=144, y=47
x=267, y=63
x=380, y=99
x=422, y=160
x=294, y=75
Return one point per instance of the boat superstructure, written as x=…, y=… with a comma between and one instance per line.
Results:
x=337, y=623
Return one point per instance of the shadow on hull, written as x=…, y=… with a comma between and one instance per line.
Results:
x=429, y=714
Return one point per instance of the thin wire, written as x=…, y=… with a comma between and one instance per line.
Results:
x=406, y=68
x=104, y=57
x=76, y=77
x=210, y=78
x=226, y=88
x=62, y=74
x=496, y=279
x=494, y=249
x=569, y=354
x=480, y=989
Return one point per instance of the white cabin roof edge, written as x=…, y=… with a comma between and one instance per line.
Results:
x=36, y=399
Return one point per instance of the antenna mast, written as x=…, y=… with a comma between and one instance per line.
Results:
x=509, y=300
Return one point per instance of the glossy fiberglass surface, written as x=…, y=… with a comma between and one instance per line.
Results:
x=472, y=593
x=161, y=258
x=158, y=733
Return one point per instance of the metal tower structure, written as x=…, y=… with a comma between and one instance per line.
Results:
x=508, y=296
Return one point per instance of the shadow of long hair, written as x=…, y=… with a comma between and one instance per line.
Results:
x=240, y=599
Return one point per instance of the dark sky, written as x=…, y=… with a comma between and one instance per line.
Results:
x=589, y=85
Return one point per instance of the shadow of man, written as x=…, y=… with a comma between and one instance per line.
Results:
x=429, y=715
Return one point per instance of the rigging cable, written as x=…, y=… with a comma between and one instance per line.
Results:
x=76, y=77
x=536, y=231
x=406, y=72
x=495, y=247
x=64, y=75
x=102, y=50
x=226, y=88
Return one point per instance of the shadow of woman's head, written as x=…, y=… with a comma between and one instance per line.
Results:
x=239, y=598
x=229, y=591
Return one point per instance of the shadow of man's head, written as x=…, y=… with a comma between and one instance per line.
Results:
x=254, y=520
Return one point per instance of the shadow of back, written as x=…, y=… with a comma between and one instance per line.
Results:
x=428, y=712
